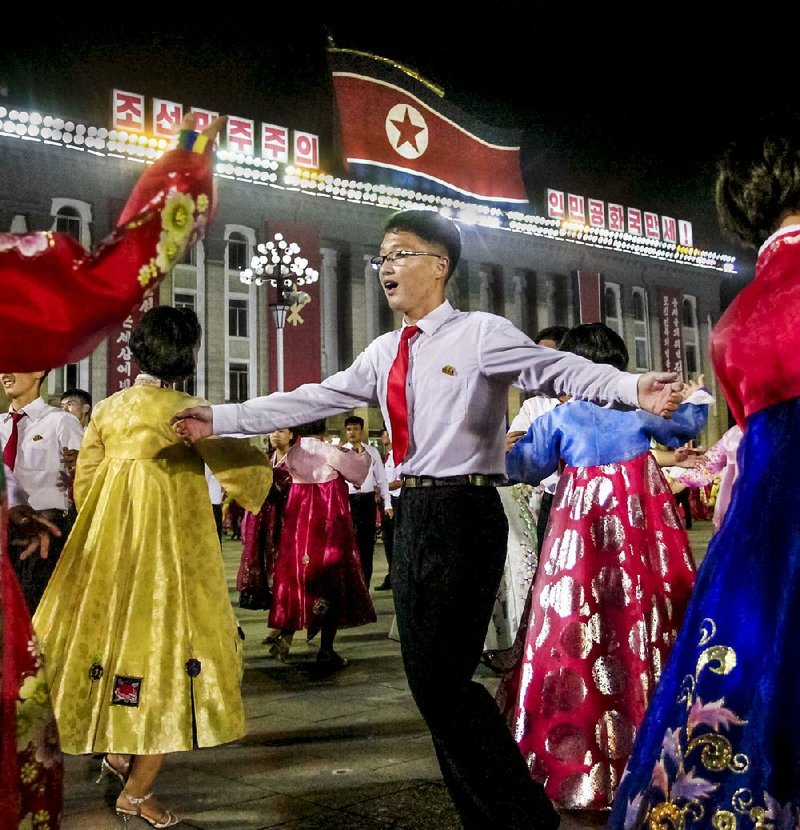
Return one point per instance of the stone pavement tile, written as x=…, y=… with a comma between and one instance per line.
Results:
x=418, y=807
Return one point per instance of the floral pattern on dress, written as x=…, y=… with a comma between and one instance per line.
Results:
x=686, y=777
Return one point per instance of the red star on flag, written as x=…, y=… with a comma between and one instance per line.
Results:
x=408, y=131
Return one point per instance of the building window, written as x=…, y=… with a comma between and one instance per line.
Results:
x=189, y=256
x=237, y=318
x=184, y=300
x=612, y=308
x=72, y=376
x=68, y=221
x=691, y=337
x=641, y=329
x=238, y=258
x=238, y=378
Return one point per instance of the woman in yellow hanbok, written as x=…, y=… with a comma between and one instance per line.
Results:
x=141, y=645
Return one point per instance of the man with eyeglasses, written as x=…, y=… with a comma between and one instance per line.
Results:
x=450, y=527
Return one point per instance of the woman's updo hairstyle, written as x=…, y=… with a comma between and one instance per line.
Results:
x=164, y=342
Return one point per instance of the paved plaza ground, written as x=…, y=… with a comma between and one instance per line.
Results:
x=346, y=751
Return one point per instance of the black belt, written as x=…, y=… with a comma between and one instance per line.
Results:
x=473, y=479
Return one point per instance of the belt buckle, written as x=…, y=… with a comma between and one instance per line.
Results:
x=479, y=479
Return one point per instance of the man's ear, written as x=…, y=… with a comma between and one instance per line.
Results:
x=442, y=267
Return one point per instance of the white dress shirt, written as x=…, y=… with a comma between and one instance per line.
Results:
x=40, y=474
x=530, y=410
x=14, y=494
x=461, y=366
x=376, y=477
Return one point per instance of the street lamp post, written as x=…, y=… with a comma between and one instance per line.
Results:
x=279, y=263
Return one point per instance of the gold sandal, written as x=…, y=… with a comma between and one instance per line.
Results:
x=166, y=819
x=108, y=769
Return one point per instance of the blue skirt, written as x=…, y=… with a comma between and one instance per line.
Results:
x=719, y=747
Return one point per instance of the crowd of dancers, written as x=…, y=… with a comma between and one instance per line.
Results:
x=632, y=685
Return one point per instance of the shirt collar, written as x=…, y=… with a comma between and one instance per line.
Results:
x=435, y=319
x=35, y=407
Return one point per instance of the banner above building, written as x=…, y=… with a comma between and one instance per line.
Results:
x=396, y=128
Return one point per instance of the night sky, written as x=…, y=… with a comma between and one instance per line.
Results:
x=626, y=105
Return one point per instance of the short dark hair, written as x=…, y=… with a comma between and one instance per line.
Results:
x=554, y=333
x=354, y=419
x=429, y=226
x=758, y=179
x=82, y=394
x=598, y=343
x=311, y=428
x=164, y=342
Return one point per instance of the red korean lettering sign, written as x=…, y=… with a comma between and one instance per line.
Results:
x=651, y=225
x=306, y=150
x=167, y=117
x=240, y=134
x=669, y=229
x=204, y=118
x=597, y=213
x=576, y=208
x=670, y=330
x=616, y=217
x=122, y=366
x=275, y=142
x=127, y=111
x=634, y=221
x=555, y=204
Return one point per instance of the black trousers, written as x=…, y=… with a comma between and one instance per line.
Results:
x=387, y=534
x=363, y=509
x=449, y=551
x=34, y=572
x=543, y=518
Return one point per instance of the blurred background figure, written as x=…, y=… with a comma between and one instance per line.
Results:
x=318, y=582
x=77, y=402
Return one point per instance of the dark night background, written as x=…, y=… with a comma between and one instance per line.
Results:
x=628, y=105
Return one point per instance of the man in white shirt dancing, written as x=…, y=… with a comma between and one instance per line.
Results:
x=451, y=531
x=364, y=498
x=35, y=437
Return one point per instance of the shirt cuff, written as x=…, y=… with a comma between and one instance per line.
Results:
x=628, y=389
x=225, y=418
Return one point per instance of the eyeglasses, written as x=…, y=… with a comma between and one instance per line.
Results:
x=396, y=258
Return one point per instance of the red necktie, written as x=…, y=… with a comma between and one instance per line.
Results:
x=10, y=449
x=396, y=401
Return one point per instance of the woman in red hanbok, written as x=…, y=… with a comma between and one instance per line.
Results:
x=318, y=583
x=261, y=532
x=614, y=576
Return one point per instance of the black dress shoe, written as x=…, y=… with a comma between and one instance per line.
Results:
x=386, y=585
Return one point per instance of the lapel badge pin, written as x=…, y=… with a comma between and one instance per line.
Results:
x=37, y=438
x=448, y=370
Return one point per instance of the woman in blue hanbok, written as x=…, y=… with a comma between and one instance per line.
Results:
x=615, y=576
x=720, y=744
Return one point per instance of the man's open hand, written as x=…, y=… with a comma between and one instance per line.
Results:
x=660, y=392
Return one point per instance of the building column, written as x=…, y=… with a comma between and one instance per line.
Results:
x=370, y=299
x=547, y=302
x=519, y=306
x=329, y=289
x=486, y=293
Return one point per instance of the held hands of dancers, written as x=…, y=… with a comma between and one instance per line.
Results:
x=660, y=392
x=193, y=423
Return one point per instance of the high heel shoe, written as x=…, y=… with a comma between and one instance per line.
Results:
x=280, y=648
x=108, y=769
x=166, y=819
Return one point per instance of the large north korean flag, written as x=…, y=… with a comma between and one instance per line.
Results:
x=394, y=127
